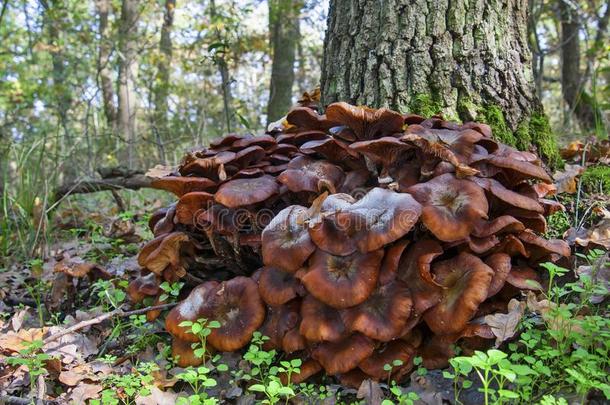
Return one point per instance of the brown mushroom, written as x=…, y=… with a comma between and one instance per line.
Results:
x=190, y=309
x=244, y=192
x=286, y=241
x=451, y=207
x=190, y=205
x=341, y=357
x=319, y=322
x=524, y=278
x=277, y=287
x=465, y=280
x=388, y=354
x=342, y=281
x=500, y=263
x=162, y=252
x=306, y=174
x=391, y=260
x=183, y=185
x=143, y=286
x=308, y=368
x=383, y=315
x=367, y=123
x=184, y=355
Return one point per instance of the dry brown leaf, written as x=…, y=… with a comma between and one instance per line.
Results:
x=84, y=392
x=504, y=326
x=160, y=171
x=599, y=234
x=565, y=181
x=75, y=267
x=370, y=392
x=16, y=341
x=71, y=347
x=157, y=397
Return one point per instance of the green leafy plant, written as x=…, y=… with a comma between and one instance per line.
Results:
x=198, y=378
x=202, y=329
x=33, y=359
x=170, y=291
x=123, y=389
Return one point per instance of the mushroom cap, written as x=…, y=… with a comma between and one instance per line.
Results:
x=414, y=271
x=519, y=168
x=248, y=156
x=243, y=192
x=237, y=306
x=342, y=281
x=353, y=378
x=524, y=278
x=320, y=322
x=540, y=247
x=190, y=204
x=335, y=151
x=307, y=369
x=436, y=352
x=388, y=215
x=451, y=207
x=383, y=315
x=508, y=196
x=341, y=357
x=278, y=322
x=161, y=252
x=208, y=166
x=143, y=286
x=293, y=341
x=391, y=260
x=500, y=263
x=165, y=224
x=306, y=118
x=285, y=240
x=384, y=150
x=396, y=350
x=367, y=123
x=190, y=309
x=184, y=355
x=465, y=280
x=183, y=185
x=333, y=234
x=277, y=287
x=264, y=141
x=306, y=174
x=501, y=224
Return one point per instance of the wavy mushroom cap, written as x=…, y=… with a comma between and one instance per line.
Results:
x=391, y=260
x=183, y=185
x=306, y=174
x=209, y=167
x=277, y=287
x=342, y=281
x=451, y=207
x=367, y=123
x=143, y=286
x=387, y=354
x=510, y=197
x=190, y=205
x=383, y=315
x=341, y=357
x=264, y=141
x=278, y=322
x=436, y=352
x=244, y=192
x=293, y=341
x=519, y=169
x=465, y=280
x=353, y=378
x=384, y=150
x=500, y=263
x=190, y=309
x=237, y=306
x=161, y=252
x=320, y=322
x=388, y=217
x=540, y=247
x=499, y=225
x=306, y=118
x=335, y=151
x=286, y=241
x=249, y=156
x=414, y=271
x=332, y=232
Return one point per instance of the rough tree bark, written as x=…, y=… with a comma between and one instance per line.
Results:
x=284, y=38
x=466, y=59
x=161, y=89
x=126, y=80
x=103, y=64
x=572, y=81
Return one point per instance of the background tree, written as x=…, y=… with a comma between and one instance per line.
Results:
x=468, y=60
x=284, y=22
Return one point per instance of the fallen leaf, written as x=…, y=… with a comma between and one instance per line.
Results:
x=599, y=274
x=76, y=267
x=598, y=235
x=160, y=171
x=504, y=326
x=71, y=347
x=157, y=397
x=370, y=391
x=565, y=181
x=84, y=392
x=16, y=341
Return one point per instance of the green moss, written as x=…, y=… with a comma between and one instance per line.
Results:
x=494, y=117
x=597, y=179
x=541, y=136
x=557, y=224
x=523, y=136
x=425, y=105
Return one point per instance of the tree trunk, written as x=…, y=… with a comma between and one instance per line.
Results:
x=103, y=64
x=223, y=68
x=162, y=81
x=572, y=83
x=127, y=96
x=467, y=60
x=284, y=38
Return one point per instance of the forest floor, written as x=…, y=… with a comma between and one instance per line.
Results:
x=69, y=335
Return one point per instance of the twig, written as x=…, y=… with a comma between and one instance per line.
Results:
x=99, y=319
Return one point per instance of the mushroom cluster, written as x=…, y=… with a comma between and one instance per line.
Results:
x=351, y=239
